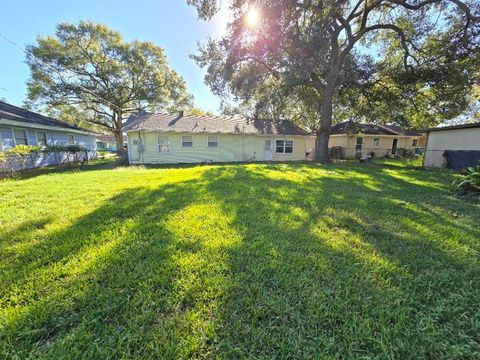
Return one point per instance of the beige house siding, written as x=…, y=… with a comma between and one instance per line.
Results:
x=348, y=143
x=453, y=139
x=231, y=148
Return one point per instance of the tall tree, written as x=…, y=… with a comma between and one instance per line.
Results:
x=88, y=66
x=323, y=45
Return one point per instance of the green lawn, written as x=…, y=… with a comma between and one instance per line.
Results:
x=405, y=162
x=235, y=261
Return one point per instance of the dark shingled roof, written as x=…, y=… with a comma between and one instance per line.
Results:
x=210, y=124
x=15, y=113
x=350, y=127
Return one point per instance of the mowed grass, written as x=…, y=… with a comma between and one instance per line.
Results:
x=237, y=261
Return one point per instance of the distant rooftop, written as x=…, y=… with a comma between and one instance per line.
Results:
x=350, y=127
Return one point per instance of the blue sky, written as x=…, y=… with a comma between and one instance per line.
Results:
x=170, y=24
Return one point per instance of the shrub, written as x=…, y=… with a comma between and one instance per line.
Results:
x=21, y=154
x=405, y=153
x=469, y=182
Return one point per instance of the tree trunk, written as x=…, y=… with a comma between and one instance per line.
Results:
x=119, y=133
x=323, y=133
x=119, y=141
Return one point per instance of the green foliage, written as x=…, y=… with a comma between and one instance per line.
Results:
x=88, y=69
x=469, y=182
x=22, y=150
x=413, y=64
x=20, y=154
x=198, y=112
x=74, y=148
x=258, y=261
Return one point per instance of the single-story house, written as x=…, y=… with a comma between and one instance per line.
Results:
x=106, y=142
x=356, y=140
x=460, y=141
x=20, y=126
x=175, y=138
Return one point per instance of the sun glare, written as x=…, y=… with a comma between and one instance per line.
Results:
x=252, y=18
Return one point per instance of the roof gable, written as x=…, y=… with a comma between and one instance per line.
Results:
x=210, y=124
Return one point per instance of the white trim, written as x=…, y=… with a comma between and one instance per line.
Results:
x=13, y=137
x=361, y=145
x=213, y=147
x=187, y=147
x=46, y=127
x=68, y=139
x=129, y=150
x=169, y=152
x=284, y=146
x=46, y=136
x=13, y=134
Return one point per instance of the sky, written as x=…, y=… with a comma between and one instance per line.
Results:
x=171, y=24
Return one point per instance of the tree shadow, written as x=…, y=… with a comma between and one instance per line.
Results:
x=93, y=165
x=332, y=268
x=277, y=260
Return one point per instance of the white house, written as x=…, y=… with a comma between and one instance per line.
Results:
x=175, y=138
x=460, y=141
x=20, y=126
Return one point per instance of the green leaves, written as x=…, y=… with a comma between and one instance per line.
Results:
x=93, y=69
x=469, y=182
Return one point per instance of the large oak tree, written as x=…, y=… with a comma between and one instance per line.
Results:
x=94, y=69
x=323, y=45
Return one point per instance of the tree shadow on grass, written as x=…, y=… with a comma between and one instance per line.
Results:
x=332, y=277
x=79, y=284
x=252, y=261
x=93, y=165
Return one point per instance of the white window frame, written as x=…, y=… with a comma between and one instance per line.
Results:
x=46, y=138
x=415, y=142
x=15, y=138
x=168, y=144
x=187, y=146
x=284, y=147
x=374, y=144
x=216, y=141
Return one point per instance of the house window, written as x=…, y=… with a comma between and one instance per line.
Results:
x=376, y=142
x=284, y=146
x=415, y=142
x=42, y=138
x=187, y=141
x=20, y=137
x=288, y=146
x=71, y=139
x=212, y=141
x=359, y=144
x=164, y=145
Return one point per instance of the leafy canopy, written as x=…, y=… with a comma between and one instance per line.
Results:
x=409, y=62
x=92, y=68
